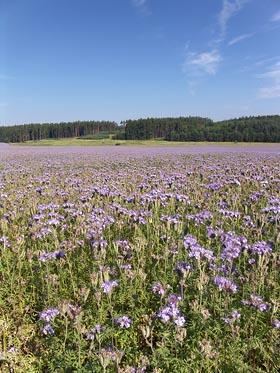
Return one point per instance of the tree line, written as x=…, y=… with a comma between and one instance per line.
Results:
x=37, y=131
x=245, y=129
x=253, y=129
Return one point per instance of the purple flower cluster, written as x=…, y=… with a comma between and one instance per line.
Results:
x=276, y=323
x=232, y=246
x=107, y=286
x=260, y=248
x=47, y=316
x=172, y=312
x=48, y=329
x=57, y=254
x=234, y=315
x=95, y=330
x=183, y=267
x=159, y=288
x=225, y=284
x=123, y=321
x=5, y=241
x=195, y=250
x=200, y=217
x=229, y=214
x=256, y=301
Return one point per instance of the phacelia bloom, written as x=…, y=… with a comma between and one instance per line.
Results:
x=189, y=241
x=198, y=252
x=232, y=245
x=159, y=288
x=48, y=330
x=225, y=284
x=235, y=315
x=180, y=321
x=276, y=323
x=257, y=302
x=260, y=248
x=49, y=314
x=172, y=312
x=107, y=286
x=123, y=321
x=174, y=299
x=96, y=330
x=168, y=313
x=183, y=267
x=57, y=254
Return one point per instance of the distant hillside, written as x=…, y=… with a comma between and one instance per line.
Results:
x=246, y=129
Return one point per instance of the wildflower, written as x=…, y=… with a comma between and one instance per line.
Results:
x=232, y=246
x=12, y=350
x=225, y=284
x=189, y=241
x=48, y=329
x=57, y=254
x=174, y=299
x=123, y=321
x=260, y=248
x=183, y=267
x=235, y=314
x=159, y=288
x=107, y=286
x=180, y=321
x=97, y=329
x=257, y=302
x=172, y=312
x=276, y=323
x=199, y=252
x=49, y=314
x=232, y=317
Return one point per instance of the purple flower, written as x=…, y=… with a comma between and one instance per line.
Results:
x=257, y=302
x=174, y=299
x=172, y=312
x=199, y=252
x=159, y=288
x=225, y=284
x=57, y=254
x=107, y=286
x=48, y=330
x=180, y=321
x=96, y=330
x=232, y=246
x=232, y=317
x=123, y=321
x=276, y=323
x=49, y=314
x=183, y=267
x=189, y=241
x=235, y=314
x=260, y=248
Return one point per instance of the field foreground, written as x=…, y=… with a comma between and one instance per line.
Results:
x=139, y=261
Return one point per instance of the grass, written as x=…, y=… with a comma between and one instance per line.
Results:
x=139, y=264
x=110, y=142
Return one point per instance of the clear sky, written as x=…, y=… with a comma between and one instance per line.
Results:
x=66, y=60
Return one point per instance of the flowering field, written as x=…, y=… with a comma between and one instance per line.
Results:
x=139, y=262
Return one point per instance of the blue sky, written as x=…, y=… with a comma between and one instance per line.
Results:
x=64, y=60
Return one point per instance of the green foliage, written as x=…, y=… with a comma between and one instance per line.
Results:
x=247, y=129
x=36, y=131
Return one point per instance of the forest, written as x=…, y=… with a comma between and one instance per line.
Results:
x=245, y=129
x=253, y=129
x=37, y=131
